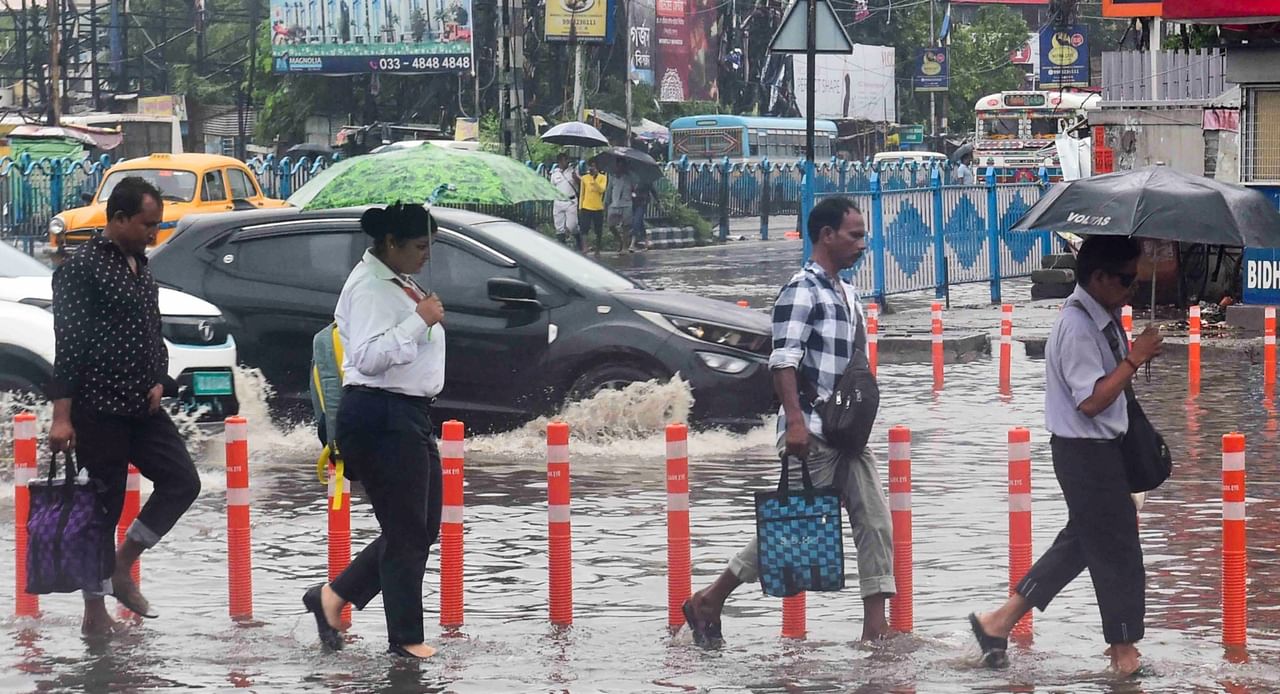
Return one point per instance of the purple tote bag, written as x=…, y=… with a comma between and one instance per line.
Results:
x=69, y=542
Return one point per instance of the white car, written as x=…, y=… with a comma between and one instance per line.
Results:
x=202, y=353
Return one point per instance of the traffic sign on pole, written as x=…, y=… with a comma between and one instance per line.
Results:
x=791, y=36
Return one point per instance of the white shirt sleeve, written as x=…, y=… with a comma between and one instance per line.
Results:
x=376, y=337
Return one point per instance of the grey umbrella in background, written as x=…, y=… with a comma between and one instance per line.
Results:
x=640, y=165
x=575, y=134
x=1157, y=202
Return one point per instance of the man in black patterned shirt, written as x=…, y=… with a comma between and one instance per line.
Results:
x=109, y=371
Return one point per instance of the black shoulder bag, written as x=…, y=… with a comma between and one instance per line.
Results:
x=850, y=413
x=1147, y=461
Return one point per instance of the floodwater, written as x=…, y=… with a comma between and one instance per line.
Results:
x=619, y=640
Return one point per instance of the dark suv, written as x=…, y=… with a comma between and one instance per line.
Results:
x=530, y=322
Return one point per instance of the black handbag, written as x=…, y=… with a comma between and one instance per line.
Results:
x=850, y=413
x=1147, y=461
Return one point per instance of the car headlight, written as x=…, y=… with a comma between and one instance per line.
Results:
x=723, y=335
x=723, y=362
x=57, y=226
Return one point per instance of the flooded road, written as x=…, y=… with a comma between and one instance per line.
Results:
x=619, y=641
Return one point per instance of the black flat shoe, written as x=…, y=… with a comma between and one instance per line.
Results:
x=994, y=650
x=330, y=637
x=400, y=652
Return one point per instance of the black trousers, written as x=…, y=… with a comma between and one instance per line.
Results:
x=1101, y=534
x=587, y=221
x=106, y=444
x=386, y=443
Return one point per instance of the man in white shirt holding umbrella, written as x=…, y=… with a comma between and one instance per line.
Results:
x=565, y=212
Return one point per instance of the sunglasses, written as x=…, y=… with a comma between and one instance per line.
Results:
x=1126, y=278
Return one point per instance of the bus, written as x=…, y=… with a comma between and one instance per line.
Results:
x=748, y=138
x=1015, y=131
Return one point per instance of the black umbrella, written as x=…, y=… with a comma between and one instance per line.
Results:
x=962, y=152
x=1159, y=203
x=640, y=165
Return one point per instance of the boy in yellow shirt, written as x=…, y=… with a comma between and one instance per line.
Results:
x=592, y=207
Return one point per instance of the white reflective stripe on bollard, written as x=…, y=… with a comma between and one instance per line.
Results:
x=558, y=453
x=25, y=429
x=558, y=513
x=1233, y=510
x=1019, y=503
x=238, y=497
x=23, y=475
x=451, y=514
x=677, y=449
x=899, y=450
x=899, y=501
x=237, y=431
x=451, y=449
x=1233, y=461
x=1019, y=451
x=678, y=502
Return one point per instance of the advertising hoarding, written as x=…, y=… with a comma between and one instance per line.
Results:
x=688, y=47
x=641, y=20
x=859, y=85
x=1064, y=57
x=586, y=21
x=932, y=70
x=353, y=36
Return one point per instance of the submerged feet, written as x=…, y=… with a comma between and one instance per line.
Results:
x=326, y=606
x=703, y=618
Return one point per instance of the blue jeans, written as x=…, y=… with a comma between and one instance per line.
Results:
x=637, y=221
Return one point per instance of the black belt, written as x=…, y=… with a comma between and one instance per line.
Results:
x=427, y=399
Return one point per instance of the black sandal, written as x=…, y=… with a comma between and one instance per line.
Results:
x=705, y=634
x=142, y=609
x=402, y=652
x=994, y=650
x=330, y=637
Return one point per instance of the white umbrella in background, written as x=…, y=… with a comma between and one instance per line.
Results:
x=575, y=134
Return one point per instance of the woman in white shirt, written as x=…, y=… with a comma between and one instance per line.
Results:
x=393, y=367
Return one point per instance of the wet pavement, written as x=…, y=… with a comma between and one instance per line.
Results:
x=619, y=641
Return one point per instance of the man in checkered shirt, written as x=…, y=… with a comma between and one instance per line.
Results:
x=817, y=322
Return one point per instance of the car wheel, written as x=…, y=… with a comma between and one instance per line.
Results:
x=19, y=383
x=608, y=376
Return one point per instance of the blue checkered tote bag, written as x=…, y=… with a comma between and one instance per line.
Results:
x=801, y=547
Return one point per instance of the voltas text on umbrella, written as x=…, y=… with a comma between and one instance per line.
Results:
x=1088, y=220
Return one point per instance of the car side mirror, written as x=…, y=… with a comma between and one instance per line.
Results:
x=86, y=198
x=509, y=291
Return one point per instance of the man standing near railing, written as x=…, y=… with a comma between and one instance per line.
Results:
x=565, y=212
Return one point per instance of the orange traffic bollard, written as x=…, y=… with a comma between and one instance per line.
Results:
x=1126, y=322
x=793, y=617
x=900, y=608
x=679, y=563
x=24, y=470
x=1269, y=347
x=128, y=512
x=1234, y=553
x=744, y=303
x=239, y=557
x=1193, y=349
x=936, y=312
x=873, y=336
x=1006, y=347
x=1019, y=516
x=451, y=518
x=339, y=512
x=559, y=530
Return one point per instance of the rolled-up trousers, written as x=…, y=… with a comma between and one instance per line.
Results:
x=1101, y=534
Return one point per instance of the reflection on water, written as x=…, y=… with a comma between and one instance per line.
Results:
x=619, y=641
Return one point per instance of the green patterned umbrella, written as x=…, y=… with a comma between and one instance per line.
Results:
x=413, y=174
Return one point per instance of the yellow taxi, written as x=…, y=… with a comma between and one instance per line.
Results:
x=188, y=183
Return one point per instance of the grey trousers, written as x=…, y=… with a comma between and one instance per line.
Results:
x=859, y=483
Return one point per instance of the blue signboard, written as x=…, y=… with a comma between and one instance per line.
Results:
x=932, y=70
x=1064, y=57
x=1262, y=276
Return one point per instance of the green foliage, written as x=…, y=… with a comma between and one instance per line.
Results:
x=678, y=214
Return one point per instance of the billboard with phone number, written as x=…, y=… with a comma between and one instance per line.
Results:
x=354, y=36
